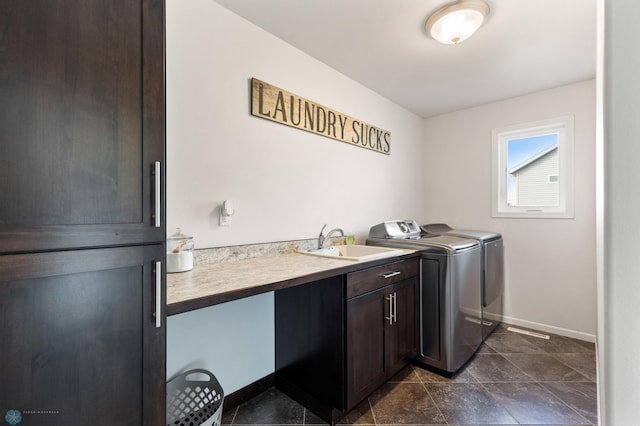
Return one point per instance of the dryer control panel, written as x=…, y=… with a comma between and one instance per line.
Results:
x=395, y=229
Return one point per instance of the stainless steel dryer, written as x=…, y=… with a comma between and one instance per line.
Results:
x=492, y=271
x=450, y=315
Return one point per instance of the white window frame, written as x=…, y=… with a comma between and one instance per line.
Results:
x=563, y=126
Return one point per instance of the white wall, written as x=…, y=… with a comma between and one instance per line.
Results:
x=550, y=263
x=620, y=287
x=233, y=340
x=285, y=183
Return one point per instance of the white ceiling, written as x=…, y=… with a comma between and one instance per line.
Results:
x=525, y=46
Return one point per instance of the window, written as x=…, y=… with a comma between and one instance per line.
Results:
x=533, y=169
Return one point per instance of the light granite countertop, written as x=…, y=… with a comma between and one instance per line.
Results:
x=210, y=284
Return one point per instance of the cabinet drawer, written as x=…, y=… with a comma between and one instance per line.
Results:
x=367, y=280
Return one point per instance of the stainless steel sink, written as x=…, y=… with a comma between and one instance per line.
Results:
x=355, y=252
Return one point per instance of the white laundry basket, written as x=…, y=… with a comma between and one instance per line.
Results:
x=194, y=398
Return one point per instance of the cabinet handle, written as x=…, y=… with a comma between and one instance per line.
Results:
x=395, y=307
x=391, y=274
x=390, y=317
x=158, y=313
x=156, y=215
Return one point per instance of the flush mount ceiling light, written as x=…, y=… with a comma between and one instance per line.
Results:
x=455, y=22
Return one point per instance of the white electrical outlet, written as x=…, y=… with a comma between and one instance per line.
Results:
x=226, y=211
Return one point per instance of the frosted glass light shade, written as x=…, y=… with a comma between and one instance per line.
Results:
x=454, y=23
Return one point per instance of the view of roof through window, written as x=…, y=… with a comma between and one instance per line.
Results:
x=526, y=161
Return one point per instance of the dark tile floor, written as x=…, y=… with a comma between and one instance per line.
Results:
x=513, y=379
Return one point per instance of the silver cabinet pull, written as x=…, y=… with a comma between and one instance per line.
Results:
x=395, y=307
x=158, y=313
x=390, y=317
x=391, y=274
x=156, y=215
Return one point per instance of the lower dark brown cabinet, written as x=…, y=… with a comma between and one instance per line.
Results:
x=80, y=342
x=381, y=337
x=339, y=339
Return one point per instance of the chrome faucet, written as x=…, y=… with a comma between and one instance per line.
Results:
x=322, y=238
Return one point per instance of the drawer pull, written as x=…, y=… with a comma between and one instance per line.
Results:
x=391, y=274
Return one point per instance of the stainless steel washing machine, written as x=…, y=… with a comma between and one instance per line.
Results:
x=450, y=314
x=492, y=271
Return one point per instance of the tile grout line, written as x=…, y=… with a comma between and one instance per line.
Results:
x=562, y=402
x=429, y=394
x=375, y=422
x=235, y=413
x=498, y=402
x=570, y=367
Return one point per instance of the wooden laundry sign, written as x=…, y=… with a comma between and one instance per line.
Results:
x=272, y=103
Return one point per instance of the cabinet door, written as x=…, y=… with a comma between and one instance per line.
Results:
x=79, y=340
x=366, y=367
x=402, y=336
x=82, y=123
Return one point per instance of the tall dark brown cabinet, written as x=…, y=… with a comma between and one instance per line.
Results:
x=82, y=234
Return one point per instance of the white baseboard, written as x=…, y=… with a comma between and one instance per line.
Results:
x=550, y=329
